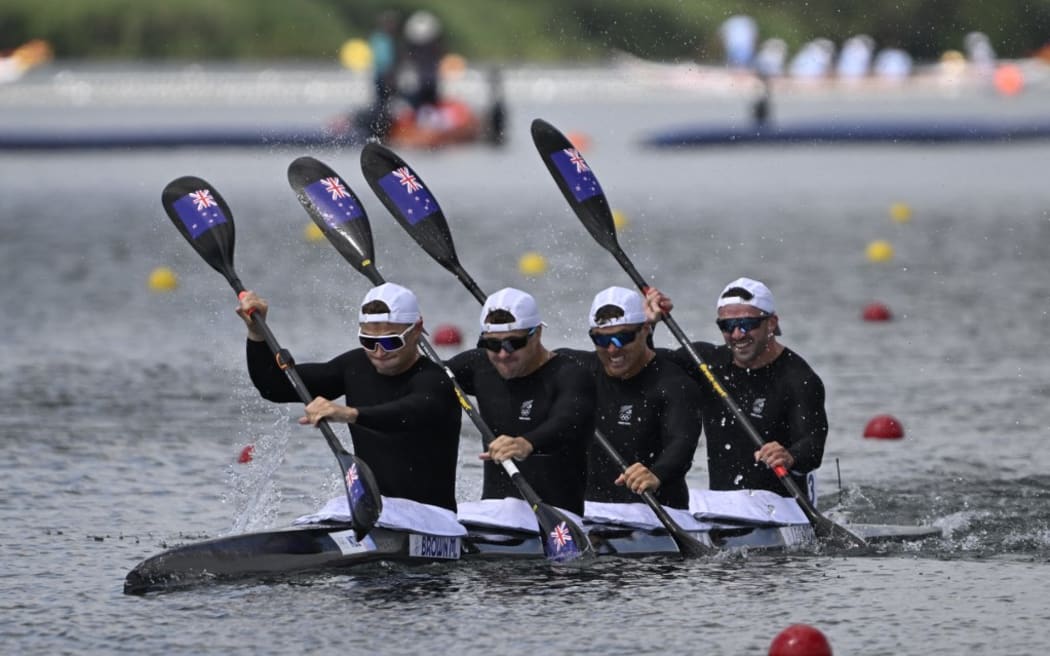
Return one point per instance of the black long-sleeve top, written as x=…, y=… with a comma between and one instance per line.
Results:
x=552, y=408
x=784, y=400
x=407, y=428
x=652, y=418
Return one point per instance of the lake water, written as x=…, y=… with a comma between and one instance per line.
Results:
x=124, y=410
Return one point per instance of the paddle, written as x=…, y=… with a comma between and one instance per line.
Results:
x=581, y=189
x=432, y=233
x=339, y=214
x=202, y=216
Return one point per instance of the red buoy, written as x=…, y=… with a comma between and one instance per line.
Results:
x=800, y=640
x=876, y=312
x=448, y=335
x=246, y=454
x=884, y=427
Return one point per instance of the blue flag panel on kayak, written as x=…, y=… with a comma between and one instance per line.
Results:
x=408, y=193
x=334, y=202
x=574, y=170
x=199, y=212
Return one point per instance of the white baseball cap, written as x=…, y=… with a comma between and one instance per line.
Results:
x=627, y=300
x=520, y=305
x=404, y=308
x=761, y=297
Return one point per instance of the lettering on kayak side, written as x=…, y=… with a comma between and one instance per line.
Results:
x=349, y=544
x=433, y=546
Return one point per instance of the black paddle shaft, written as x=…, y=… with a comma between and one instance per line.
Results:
x=202, y=216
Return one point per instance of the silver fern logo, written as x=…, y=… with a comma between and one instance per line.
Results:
x=626, y=412
x=757, y=407
x=525, y=414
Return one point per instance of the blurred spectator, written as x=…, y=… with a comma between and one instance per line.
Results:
x=739, y=34
x=419, y=76
x=892, y=64
x=855, y=58
x=813, y=60
x=769, y=62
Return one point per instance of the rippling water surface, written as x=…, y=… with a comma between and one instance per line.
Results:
x=124, y=410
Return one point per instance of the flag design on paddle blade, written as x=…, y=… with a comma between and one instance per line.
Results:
x=199, y=212
x=333, y=201
x=354, y=484
x=561, y=543
x=408, y=193
x=575, y=172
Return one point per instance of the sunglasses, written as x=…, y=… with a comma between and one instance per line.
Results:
x=620, y=339
x=508, y=344
x=390, y=343
x=745, y=324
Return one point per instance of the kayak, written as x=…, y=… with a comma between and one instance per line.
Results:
x=840, y=130
x=333, y=547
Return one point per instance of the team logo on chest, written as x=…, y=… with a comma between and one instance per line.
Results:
x=626, y=412
x=757, y=407
x=525, y=414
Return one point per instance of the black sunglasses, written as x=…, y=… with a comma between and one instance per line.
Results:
x=390, y=343
x=745, y=324
x=620, y=339
x=508, y=344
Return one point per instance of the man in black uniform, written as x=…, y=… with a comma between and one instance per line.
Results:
x=646, y=406
x=402, y=409
x=539, y=405
x=778, y=391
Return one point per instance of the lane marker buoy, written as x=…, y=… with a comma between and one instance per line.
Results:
x=884, y=427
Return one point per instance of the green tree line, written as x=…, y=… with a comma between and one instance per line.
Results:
x=506, y=30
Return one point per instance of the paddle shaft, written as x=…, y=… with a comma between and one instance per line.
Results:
x=287, y=364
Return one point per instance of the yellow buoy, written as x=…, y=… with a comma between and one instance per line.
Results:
x=356, y=55
x=880, y=250
x=900, y=212
x=619, y=219
x=163, y=279
x=532, y=264
x=312, y=233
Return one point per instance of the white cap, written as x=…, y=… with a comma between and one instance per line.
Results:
x=761, y=297
x=627, y=300
x=520, y=305
x=404, y=308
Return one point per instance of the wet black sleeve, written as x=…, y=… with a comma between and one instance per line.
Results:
x=808, y=422
x=321, y=379
x=680, y=428
x=427, y=399
x=572, y=407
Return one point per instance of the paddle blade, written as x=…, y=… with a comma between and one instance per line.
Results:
x=577, y=182
x=410, y=202
x=563, y=539
x=362, y=490
x=202, y=216
x=336, y=210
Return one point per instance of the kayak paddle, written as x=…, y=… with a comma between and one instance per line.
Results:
x=433, y=234
x=580, y=187
x=339, y=214
x=202, y=216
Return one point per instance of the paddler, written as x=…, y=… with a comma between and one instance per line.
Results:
x=775, y=388
x=539, y=405
x=402, y=410
x=647, y=407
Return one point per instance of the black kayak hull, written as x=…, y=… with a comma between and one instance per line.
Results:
x=333, y=548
